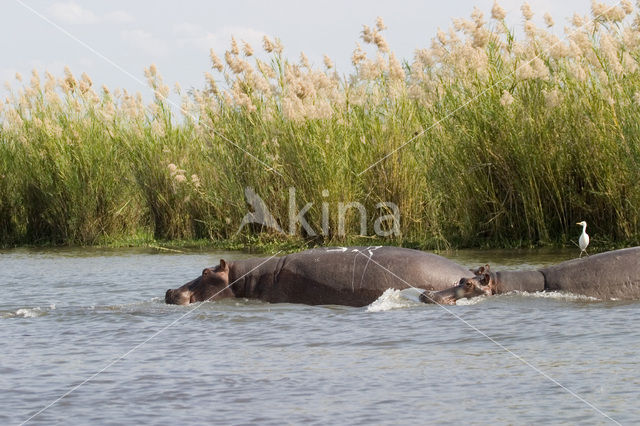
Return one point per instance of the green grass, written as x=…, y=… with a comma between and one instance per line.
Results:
x=97, y=169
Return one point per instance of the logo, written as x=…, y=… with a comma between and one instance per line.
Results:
x=385, y=225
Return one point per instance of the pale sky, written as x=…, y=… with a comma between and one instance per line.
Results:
x=177, y=35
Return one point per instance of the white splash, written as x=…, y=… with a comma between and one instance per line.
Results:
x=29, y=312
x=554, y=295
x=472, y=301
x=395, y=299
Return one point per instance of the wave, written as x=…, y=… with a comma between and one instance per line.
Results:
x=28, y=312
x=401, y=299
x=557, y=295
x=472, y=301
x=395, y=299
x=391, y=299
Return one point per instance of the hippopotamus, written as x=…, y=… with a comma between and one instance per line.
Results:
x=352, y=276
x=466, y=288
x=612, y=275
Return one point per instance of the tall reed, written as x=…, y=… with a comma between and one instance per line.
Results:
x=480, y=139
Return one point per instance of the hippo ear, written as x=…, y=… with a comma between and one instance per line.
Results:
x=486, y=277
x=224, y=266
x=479, y=270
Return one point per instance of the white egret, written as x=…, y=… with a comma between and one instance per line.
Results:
x=583, y=242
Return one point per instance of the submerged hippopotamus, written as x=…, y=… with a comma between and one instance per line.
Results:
x=466, y=288
x=352, y=276
x=613, y=275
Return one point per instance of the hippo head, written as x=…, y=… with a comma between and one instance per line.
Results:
x=213, y=284
x=479, y=285
x=483, y=278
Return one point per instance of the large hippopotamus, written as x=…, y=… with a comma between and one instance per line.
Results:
x=613, y=275
x=352, y=276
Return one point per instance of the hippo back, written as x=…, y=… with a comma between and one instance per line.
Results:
x=611, y=275
x=357, y=276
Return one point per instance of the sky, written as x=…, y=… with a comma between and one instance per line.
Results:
x=113, y=41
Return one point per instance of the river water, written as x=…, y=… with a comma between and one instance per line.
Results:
x=86, y=336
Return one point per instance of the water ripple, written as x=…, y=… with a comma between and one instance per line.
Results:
x=244, y=361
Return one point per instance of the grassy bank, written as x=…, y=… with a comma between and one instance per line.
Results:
x=514, y=142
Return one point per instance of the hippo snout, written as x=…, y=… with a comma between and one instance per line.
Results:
x=435, y=297
x=178, y=296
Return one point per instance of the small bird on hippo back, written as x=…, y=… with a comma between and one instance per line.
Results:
x=583, y=242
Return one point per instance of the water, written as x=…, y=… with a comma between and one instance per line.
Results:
x=66, y=315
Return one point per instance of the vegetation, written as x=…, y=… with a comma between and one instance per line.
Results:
x=480, y=140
